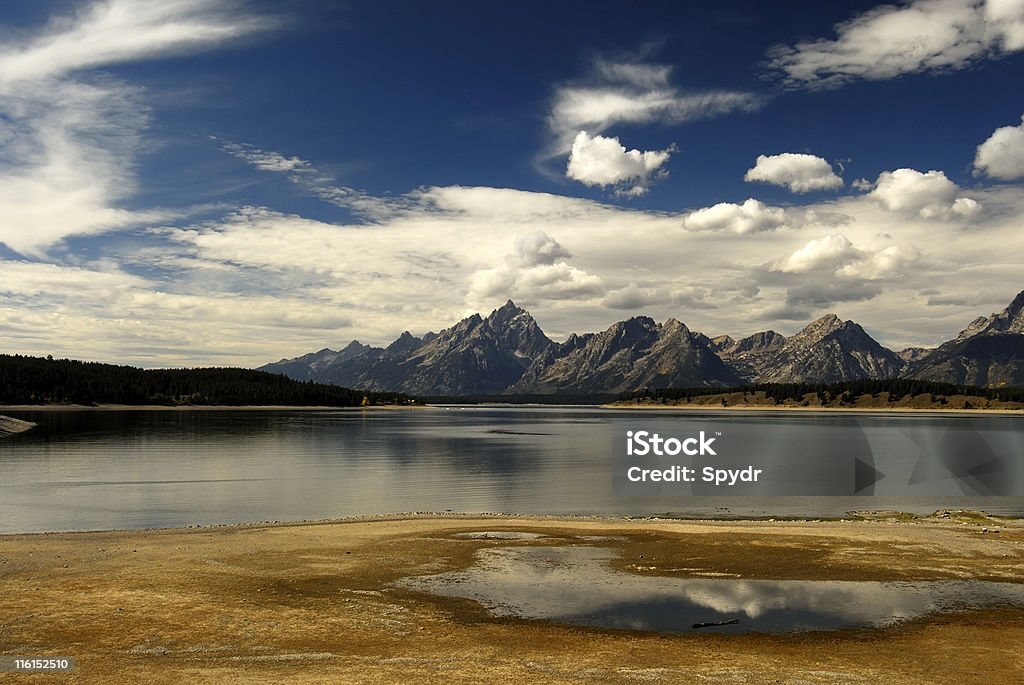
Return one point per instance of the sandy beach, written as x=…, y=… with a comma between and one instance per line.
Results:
x=317, y=603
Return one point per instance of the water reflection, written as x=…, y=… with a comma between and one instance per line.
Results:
x=576, y=585
x=80, y=470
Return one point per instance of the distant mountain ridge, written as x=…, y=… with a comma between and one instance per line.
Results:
x=508, y=353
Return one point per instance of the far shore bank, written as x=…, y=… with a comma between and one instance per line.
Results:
x=681, y=408
x=697, y=408
x=198, y=407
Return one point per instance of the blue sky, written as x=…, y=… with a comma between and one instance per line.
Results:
x=187, y=182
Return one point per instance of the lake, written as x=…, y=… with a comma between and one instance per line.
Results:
x=94, y=470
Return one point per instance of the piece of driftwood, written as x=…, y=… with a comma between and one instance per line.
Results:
x=712, y=624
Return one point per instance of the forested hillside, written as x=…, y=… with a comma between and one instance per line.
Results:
x=35, y=380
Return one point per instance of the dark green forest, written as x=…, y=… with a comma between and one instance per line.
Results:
x=897, y=387
x=35, y=380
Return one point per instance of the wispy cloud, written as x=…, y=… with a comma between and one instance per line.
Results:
x=305, y=175
x=258, y=284
x=71, y=135
x=631, y=91
x=892, y=40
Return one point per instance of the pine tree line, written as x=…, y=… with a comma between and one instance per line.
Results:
x=35, y=380
x=896, y=387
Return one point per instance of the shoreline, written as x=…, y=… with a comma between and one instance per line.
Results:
x=615, y=407
x=960, y=516
x=323, y=602
x=200, y=407
x=820, y=410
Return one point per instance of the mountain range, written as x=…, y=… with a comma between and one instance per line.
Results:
x=508, y=353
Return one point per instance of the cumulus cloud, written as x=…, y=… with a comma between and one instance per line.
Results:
x=456, y=250
x=829, y=252
x=753, y=216
x=601, y=161
x=837, y=256
x=68, y=152
x=632, y=92
x=930, y=195
x=831, y=269
x=891, y=40
x=894, y=260
x=799, y=172
x=635, y=297
x=1002, y=155
x=536, y=270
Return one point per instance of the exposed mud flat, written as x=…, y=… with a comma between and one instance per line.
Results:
x=325, y=602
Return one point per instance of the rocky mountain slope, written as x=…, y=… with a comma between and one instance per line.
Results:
x=507, y=352
x=829, y=350
x=637, y=353
x=990, y=351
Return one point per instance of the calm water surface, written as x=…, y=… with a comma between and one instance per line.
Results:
x=86, y=470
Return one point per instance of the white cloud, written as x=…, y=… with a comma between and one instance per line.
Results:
x=752, y=216
x=601, y=161
x=891, y=40
x=635, y=297
x=266, y=160
x=930, y=195
x=68, y=151
x=103, y=313
x=1002, y=154
x=535, y=271
x=828, y=252
x=1005, y=20
x=894, y=260
x=632, y=92
x=536, y=248
x=799, y=172
x=258, y=285
x=304, y=174
x=124, y=30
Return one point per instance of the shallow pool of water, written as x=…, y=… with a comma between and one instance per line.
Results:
x=577, y=585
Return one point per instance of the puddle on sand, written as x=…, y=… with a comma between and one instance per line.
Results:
x=576, y=585
x=500, y=535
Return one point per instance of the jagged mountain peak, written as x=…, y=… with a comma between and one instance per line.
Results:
x=990, y=351
x=721, y=343
x=1010, y=320
x=822, y=326
x=403, y=344
x=507, y=311
x=507, y=351
x=828, y=350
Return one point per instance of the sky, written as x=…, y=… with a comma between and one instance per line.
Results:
x=187, y=183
